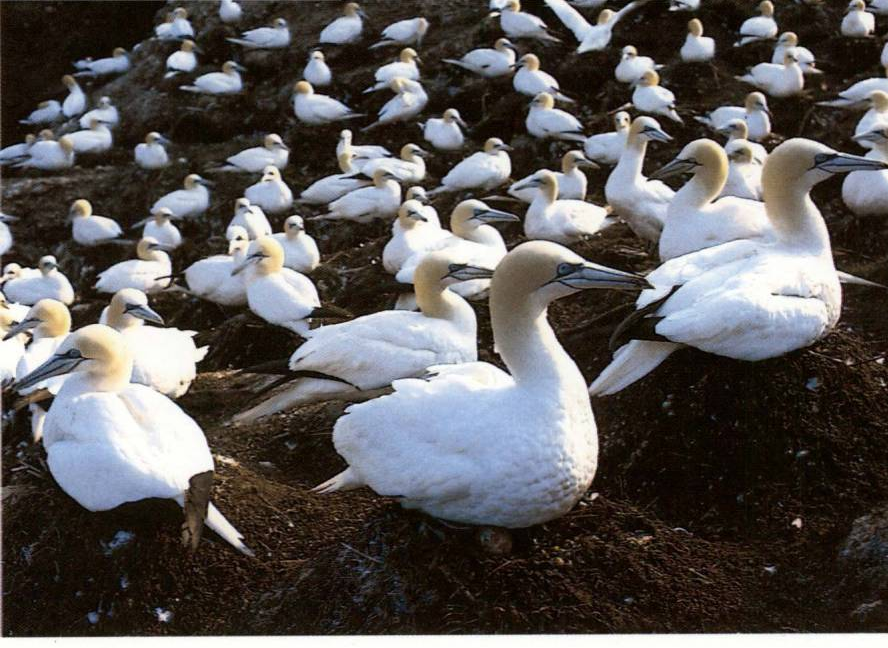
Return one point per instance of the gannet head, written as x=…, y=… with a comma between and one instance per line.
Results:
x=279, y=23
x=150, y=249
x=452, y=115
x=10, y=271
x=353, y=9
x=382, y=176
x=180, y=12
x=187, y=45
x=766, y=8
x=622, y=121
x=264, y=254
x=649, y=79
x=417, y=193
x=605, y=16
x=118, y=51
x=192, y=180
x=444, y=268
x=856, y=5
x=545, y=181
x=241, y=205
x=47, y=318
x=755, y=101
x=30, y=138
x=294, y=225
x=303, y=88
x=47, y=264
x=66, y=144
x=232, y=68
x=410, y=213
x=574, y=159
x=162, y=215
x=543, y=101
x=409, y=150
x=879, y=100
x=701, y=157
x=130, y=307
x=95, y=124
x=316, y=55
x=647, y=129
x=345, y=135
x=271, y=174
x=503, y=44
x=878, y=136
x=788, y=39
x=422, y=26
x=274, y=141
x=530, y=62
x=80, y=209
x=512, y=5
x=7, y=320
x=46, y=135
x=740, y=151
x=408, y=55
x=472, y=214
x=789, y=56
x=105, y=102
x=156, y=138
x=396, y=84
x=629, y=52
x=238, y=239
x=69, y=82
x=695, y=27
x=735, y=128
x=494, y=145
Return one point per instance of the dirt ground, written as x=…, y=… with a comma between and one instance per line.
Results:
x=725, y=489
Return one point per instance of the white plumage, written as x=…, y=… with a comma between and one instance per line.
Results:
x=530, y=80
x=564, y=221
x=97, y=139
x=484, y=170
x=271, y=193
x=784, y=80
x=547, y=122
x=757, y=28
x=277, y=36
x=445, y=132
x=591, y=37
x=314, y=108
x=251, y=218
x=652, y=98
x=300, y=250
x=380, y=200
x=192, y=200
x=754, y=111
x=211, y=278
x=151, y=153
x=410, y=31
x=46, y=283
x=228, y=81
x=88, y=229
x=316, y=71
x=273, y=152
x=606, y=148
x=345, y=29
x=487, y=62
x=697, y=48
x=150, y=272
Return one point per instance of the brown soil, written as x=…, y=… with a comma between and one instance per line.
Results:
x=725, y=489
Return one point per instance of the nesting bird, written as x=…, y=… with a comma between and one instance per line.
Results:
x=410, y=31
x=410, y=99
x=226, y=82
x=405, y=67
x=754, y=112
x=484, y=170
x=300, y=250
x=273, y=152
x=652, y=98
x=784, y=80
x=151, y=154
x=275, y=36
x=316, y=109
x=380, y=200
x=606, y=148
x=545, y=121
x=117, y=63
x=192, y=200
x=445, y=132
x=47, y=283
x=519, y=24
x=758, y=28
x=486, y=62
x=858, y=22
x=345, y=29
x=632, y=67
x=88, y=229
x=530, y=80
x=183, y=60
x=697, y=48
x=316, y=71
x=149, y=272
x=271, y=193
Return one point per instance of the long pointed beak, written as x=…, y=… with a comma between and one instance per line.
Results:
x=659, y=135
x=284, y=146
x=591, y=275
x=495, y=216
x=461, y=122
x=253, y=258
x=844, y=163
x=767, y=111
x=140, y=223
x=870, y=136
x=24, y=325
x=206, y=183
x=57, y=365
x=466, y=272
x=144, y=312
x=589, y=164
x=678, y=166
x=161, y=247
x=415, y=215
x=527, y=184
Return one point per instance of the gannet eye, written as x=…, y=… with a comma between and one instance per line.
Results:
x=565, y=269
x=70, y=354
x=822, y=158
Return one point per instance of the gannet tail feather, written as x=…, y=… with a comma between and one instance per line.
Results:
x=217, y=522
x=458, y=63
x=631, y=362
x=346, y=480
x=190, y=88
x=382, y=43
x=846, y=278
x=306, y=390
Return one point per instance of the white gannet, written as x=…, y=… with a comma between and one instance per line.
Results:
x=856, y=95
x=28, y=289
x=484, y=170
x=5, y=234
x=858, y=22
x=632, y=66
x=744, y=173
x=345, y=29
x=46, y=112
x=271, y=193
x=754, y=110
x=784, y=80
x=562, y=221
x=150, y=272
x=591, y=37
x=75, y=103
x=17, y=152
x=879, y=7
x=571, y=180
x=109, y=441
x=151, y=153
x=413, y=234
x=19, y=311
x=96, y=139
x=410, y=31
x=176, y=26
x=747, y=300
x=694, y=218
x=487, y=62
x=362, y=152
x=251, y=218
x=49, y=155
x=273, y=152
x=228, y=81
x=15, y=271
x=316, y=71
x=410, y=168
x=641, y=202
x=410, y=99
x=12, y=347
x=545, y=121
x=405, y=67
x=697, y=48
x=758, y=28
x=874, y=118
x=405, y=444
x=278, y=295
x=866, y=192
x=312, y=108
x=652, y=98
x=163, y=358
x=159, y=226
x=606, y=148
x=300, y=249
x=518, y=24
x=87, y=228
x=530, y=80
x=192, y=200
x=444, y=133
x=738, y=129
x=275, y=36
x=790, y=41
x=104, y=112
x=373, y=351
x=381, y=200
x=211, y=278
x=331, y=187
x=182, y=60
x=117, y=63
x=230, y=11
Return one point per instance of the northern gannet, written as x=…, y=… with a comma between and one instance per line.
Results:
x=545, y=121
x=855, y=96
x=790, y=41
x=571, y=180
x=109, y=441
x=362, y=152
x=278, y=295
x=228, y=81
x=866, y=192
x=444, y=133
x=271, y=193
x=875, y=117
x=754, y=110
x=411, y=234
x=29, y=288
x=562, y=221
x=405, y=67
x=87, y=228
x=410, y=31
x=858, y=22
x=591, y=37
x=744, y=173
x=192, y=200
x=5, y=234
x=345, y=29
x=652, y=98
x=632, y=66
x=381, y=200
x=182, y=60
x=273, y=152
x=117, y=63
x=230, y=11
x=251, y=218
x=410, y=99
x=159, y=226
x=784, y=80
x=519, y=24
x=315, y=109
x=606, y=148
x=405, y=444
x=75, y=103
x=151, y=153
x=738, y=129
x=211, y=278
x=163, y=358
x=150, y=272
x=410, y=168
x=641, y=202
x=46, y=112
x=49, y=155
x=530, y=80
x=487, y=62
x=16, y=152
x=758, y=28
x=697, y=48
x=15, y=271
x=316, y=71
x=375, y=350
x=176, y=26
x=484, y=170
x=96, y=139
x=328, y=189
x=300, y=249
x=105, y=112
x=275, y=36
x=748, y=300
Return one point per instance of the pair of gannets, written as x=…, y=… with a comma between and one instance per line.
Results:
x=410, y=99
x=777, y=80
x=150, y=272
x=445, y=132
x=484, y=170
x=410, y=167
x=780, y=294
x=335, y=186
x=105, y=112
x=606, y=148
x=697, y=48
x=572, y=182
x=545, y=121
x=160, y=227
x=89, y=229
x=858, y=22
x=316, y=109
x=381, y=200
x=192, y=200
x=230, y=11
x=182, y=60
x=405, y=67
x=109, y=441
x=212, y=278
x=273, y=152
x=488, y=62
x=151, y=154
x=47, y=282
x=275, y=36
x=525, y=448
x=530, y=80
x=316, y=70
x=176, y=26
x=228, y=81
x=251, y=218
x=758, y=28
x=519, y=24
x=754, y=111
x=96, y=139
x=632, y=66
x=591, y=37
x=866, y=192
x=50, y=111
x=855, y=96
x=49, y=155
x=409, y=31
x=789, y=41
x=652, y=98
x=373, y=351
x=345, y=29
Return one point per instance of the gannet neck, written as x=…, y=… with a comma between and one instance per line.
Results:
x=433, y=298
x=795, y=218
x=632, y=158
